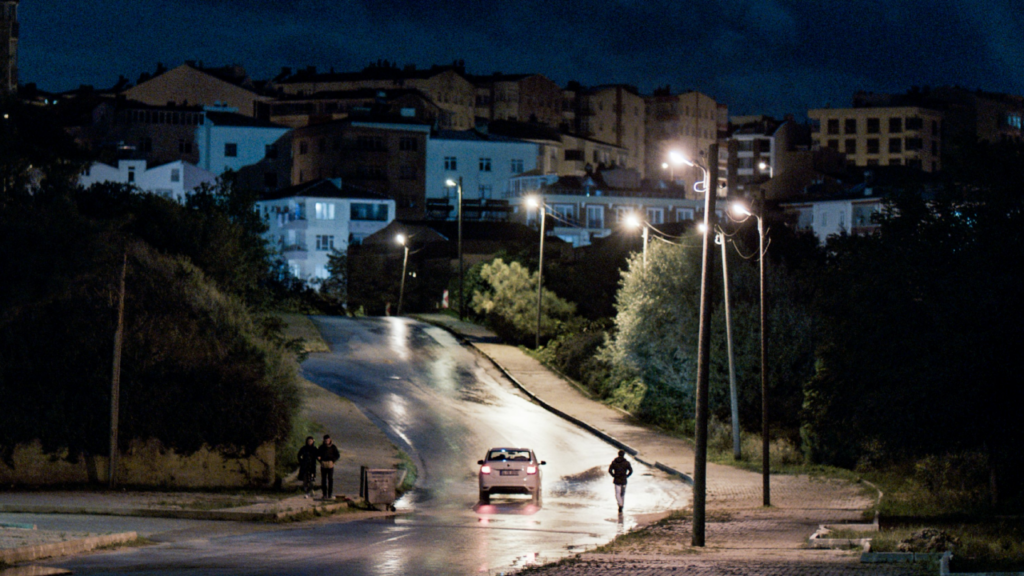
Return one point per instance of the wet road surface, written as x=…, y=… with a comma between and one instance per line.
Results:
x=445, y=406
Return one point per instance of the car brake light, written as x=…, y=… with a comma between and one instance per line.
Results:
x=485, y=469
x=531, y=469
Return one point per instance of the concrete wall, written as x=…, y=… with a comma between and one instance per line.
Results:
x=145, y=463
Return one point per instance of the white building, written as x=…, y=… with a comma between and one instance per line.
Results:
x=831, y=216
x=484, y=162
x=308, y=221
x=229, y=141
x=173, y=180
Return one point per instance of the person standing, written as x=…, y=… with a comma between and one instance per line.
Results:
x=327, y=455
x=307, y=466
x=620, y=470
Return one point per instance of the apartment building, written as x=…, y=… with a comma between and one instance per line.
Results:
x=227, y=140
x=305, y=223
x=8, y=47
x=882, y=136
x=483, y=162
x=445, y=86
x=615, y=114
x=191, y=84
x=384, y=155
x=298, y=110
x=687, y=123
x=518, y=97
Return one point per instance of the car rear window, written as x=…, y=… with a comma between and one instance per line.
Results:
x=513, y=455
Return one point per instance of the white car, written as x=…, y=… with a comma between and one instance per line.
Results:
x=509, y=471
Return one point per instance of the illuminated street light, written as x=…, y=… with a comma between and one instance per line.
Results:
x=462, y=286
x=634, y=221
x=762, y=165
x=401, y=239
x=538, y=203
x=740, y=210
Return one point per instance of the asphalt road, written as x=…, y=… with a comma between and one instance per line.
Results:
x=445, y=406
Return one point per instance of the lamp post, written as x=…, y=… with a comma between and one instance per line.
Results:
x=700, y=464
x=536, y=202
x=733, y=394
x=462, y=285
x=405, y=261
x=676, y=158
x=634, y=221
x=765, y=467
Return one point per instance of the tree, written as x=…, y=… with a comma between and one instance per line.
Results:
x=510, y=304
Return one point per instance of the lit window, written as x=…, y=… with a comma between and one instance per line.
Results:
x=324, y=211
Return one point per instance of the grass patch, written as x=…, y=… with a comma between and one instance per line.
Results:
x=287, y=460
x=299, y=327
x=135, y=543
x=405, y=463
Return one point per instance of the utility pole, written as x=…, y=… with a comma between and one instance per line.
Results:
x=733, y=394
x=765, y=452
x=462, y=283
x=700, y=466
x=115, y=386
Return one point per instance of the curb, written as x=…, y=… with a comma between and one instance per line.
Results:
x=221, y=515
x=29, y=553
x=589, y=428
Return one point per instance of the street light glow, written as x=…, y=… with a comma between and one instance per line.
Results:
x=739, y=209
x=400, y=238
x=632, y=220
x=450, y=183
x=532, y=201
x=762, y=165
x=677, y=158
x=702, y=228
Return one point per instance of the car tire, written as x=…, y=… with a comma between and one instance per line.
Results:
x=485, y=497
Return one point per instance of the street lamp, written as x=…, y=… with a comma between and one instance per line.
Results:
x=762, y=165
x=743, y=211
x=462, y=286
x=538, y=203
x=675, y=158
x=700, y=464
x=733, y=394
x=401, y=239
x=634, y=221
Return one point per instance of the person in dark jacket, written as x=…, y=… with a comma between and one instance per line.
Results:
x=307, y=466
x=327, y=455
x=620, y=470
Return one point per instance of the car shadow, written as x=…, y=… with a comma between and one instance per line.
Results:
x=509, y=506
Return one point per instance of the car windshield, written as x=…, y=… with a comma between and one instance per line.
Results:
x=507, y=454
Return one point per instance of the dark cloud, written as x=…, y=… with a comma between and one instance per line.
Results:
x=771, y=56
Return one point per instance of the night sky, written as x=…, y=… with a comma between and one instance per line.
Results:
x=757, y=56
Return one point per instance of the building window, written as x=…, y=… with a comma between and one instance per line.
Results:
x=655, y=216
x=833, y=126
x=303, y=147
x=517, y=166
x=485, y=164
x=324, y=210
x=231, y=150
x=271, y=152
x=895, y=125
x=850, y=146
x=450, y=163
x=851, y=126
x=184, y=146
x=913, y=144
x=914, y=163
x=834, y=144
x=874, y=125
x=683, y=214
x=595, y=216
x=146, y=145
x=872, y=145
x=324, y=242
x=574, y=155
x=895, y=145
x=131, y=175
x=935, y=148
x=367, y=211
x=175, y=175
x=485, y=191
x=915, y=124
x=407, y=172
x=408, y=144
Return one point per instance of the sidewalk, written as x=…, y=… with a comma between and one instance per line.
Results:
x=739, y=528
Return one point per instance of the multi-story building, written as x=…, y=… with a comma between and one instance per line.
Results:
x=227, y=140
x=586, y=207
x=483, y=162
x=686, y=123
x=518, y=97
x=9, y=47
x=118, y=128
x=615, y=114
x=383, y=155
x=445, y=86
x=882, y=136
x=173, y=180
x=296, y=111
x=305, y=223
x=193, y=85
